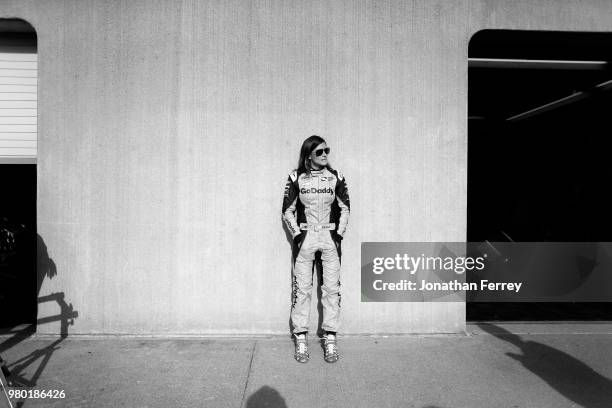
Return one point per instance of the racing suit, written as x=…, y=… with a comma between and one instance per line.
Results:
x=316, y=210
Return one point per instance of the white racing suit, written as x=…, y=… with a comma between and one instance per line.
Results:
x=316, y=210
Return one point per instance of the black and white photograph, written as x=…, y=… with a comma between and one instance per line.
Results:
x=306, y=203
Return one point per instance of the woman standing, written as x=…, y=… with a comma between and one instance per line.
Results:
x=316, y=210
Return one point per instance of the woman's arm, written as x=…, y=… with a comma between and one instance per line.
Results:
x=289, y=204
x=342, y=197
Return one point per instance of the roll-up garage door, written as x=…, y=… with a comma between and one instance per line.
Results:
x=18, y=101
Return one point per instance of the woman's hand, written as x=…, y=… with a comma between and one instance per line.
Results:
x=297, y=241
x=337, y=238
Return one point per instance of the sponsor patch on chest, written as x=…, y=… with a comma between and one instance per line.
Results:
x=314, y=190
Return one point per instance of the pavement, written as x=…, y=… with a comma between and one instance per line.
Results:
x=491, y=365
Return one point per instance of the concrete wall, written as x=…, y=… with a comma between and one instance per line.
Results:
x=167, y=129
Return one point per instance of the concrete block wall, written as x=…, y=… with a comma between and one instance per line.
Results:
x=167, y=130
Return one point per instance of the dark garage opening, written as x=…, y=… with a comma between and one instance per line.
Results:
x=18, y=294
x=539, y=144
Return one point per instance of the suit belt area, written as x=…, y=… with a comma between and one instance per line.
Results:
x=317, y=227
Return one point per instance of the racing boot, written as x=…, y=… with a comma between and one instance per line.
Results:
x=330, y=348
x=301, y=348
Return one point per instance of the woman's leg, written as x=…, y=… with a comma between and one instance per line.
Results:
x=330, y=289
x=302, y=286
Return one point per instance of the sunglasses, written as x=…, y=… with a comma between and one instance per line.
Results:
x=319, y=152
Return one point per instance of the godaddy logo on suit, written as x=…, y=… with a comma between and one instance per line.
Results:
x=313, y=190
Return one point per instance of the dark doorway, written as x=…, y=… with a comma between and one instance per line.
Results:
x=538, y=150
x=18, y=122
x=18, y=297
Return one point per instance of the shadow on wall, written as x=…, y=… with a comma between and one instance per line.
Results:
x=569, y=376
x=266, y=397
x=45, y=268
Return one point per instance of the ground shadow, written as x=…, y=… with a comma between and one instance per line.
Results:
x=567, y=375
x=266, y=397
x=65, y=317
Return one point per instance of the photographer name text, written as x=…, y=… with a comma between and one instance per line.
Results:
x=453, y=286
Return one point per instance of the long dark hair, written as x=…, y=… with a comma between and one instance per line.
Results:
x=307, y=147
